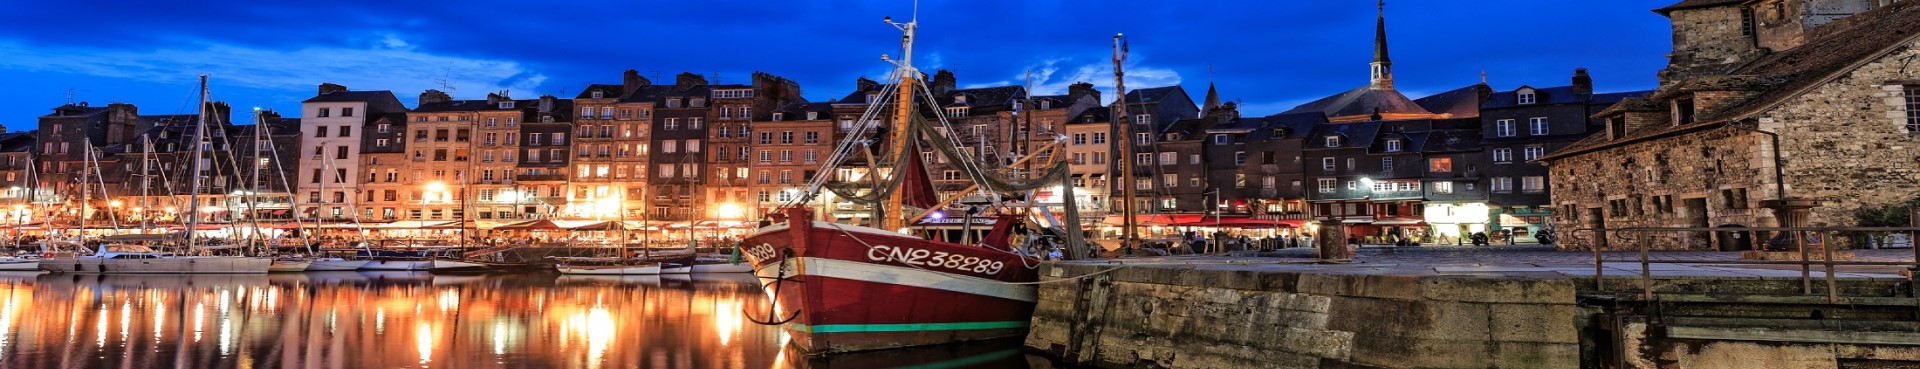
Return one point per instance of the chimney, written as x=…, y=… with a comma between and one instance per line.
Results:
x=632, y=81
x=943, y=82
x=864, y=84
x=327, y=88
x=1582, y=84
x=687, y=80
x=433, y=97
x=1078, y=89
x=546, y=103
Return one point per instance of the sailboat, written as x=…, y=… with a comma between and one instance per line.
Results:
x=140, y=259
x=843, y=288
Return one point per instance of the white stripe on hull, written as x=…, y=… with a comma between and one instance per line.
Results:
x=444, y=264
x=20, y=265
x=335, y=265
x=684, y=269
x=397, y=265
x=742, y=267
x=905, y=276
x=603, y=270
x=168, y=265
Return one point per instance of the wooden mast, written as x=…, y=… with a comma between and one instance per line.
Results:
x=1124, y=133
x=892, y=215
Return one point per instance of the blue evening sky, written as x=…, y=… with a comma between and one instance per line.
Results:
x=1268, y=55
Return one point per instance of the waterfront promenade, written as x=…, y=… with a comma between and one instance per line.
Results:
x=1523, y=306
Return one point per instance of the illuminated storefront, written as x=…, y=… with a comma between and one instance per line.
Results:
x=1453, y=220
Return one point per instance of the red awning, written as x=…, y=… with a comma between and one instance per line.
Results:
x=1203, y=220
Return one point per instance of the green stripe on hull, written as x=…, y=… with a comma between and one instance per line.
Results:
x=908, y=327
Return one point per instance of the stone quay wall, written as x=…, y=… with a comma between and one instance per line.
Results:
x=1230, y=317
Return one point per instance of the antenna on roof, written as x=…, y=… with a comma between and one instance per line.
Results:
x=716, y=76
x=70, y=93
x=445, y=80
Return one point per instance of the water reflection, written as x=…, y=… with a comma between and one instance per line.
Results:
x=412, y=320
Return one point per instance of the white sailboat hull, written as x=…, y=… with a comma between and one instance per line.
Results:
x=456, y=265
x=742, y=267
x=19, y=264
x=289, y=266
x=164, y=265
x=609, y=269
x=684, y=269
x=403, y=265
x=335, y=265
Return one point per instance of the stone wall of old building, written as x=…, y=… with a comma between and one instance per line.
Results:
x=1680, y=181
x=1846, y=142
x=1705, y=41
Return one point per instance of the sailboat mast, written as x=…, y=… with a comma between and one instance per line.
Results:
x=193, y=167
x=893, y=218
x=146, y=179
x=1124, y=133
x=85, y=170
x=252, y=190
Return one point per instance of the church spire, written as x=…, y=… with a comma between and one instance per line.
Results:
x=1382, y=65
x=1213, y=98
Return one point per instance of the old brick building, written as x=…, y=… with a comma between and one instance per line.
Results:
x=1834, y=88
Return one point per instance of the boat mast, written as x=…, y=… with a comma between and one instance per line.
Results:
x=253, y=182
x=892, y=210
x=86, y=166
x=193, y=167
x=146, y=171
x=1124, y=133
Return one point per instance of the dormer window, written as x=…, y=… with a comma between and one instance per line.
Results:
x=1279, y=133
x=1333, y=141
x=697, y=102
x=1221, y=139
x=1393, y=145
x=673, y=103
x=1524, y=96
x=777, y=116
x=1616, y=128
x=957, y=112
x=597, y=94
x=506, y=104
x=813, y=115
x=1046, y=104
x=1682, y=111
x=871, y=97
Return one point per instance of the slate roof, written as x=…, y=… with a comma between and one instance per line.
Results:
x=1831, y=51
x=1092, y=116
x=1354, y=135
x=1452, y=140
x=1695, y=4
x=986, y=97
x=606, y=91
x=349, y=96
x=460, y=105
x=17, y=141
x=1362, y=101
x=1151, y=94
x=1461, y=102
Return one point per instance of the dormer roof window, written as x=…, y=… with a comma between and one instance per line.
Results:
x=813, y=115
x=1393, y=145
x=1333, y=141
x=1046, y=104
x=506, y=104
x=777, y=116
x=597, y=94
x=1525, y=96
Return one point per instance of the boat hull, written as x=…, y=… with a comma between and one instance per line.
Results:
x=289, y=266
x=844, y=295
x=609, y=269
x=20, y=266
x=397, y=265
x=169, y=265
x=723, y=268
x=335, y=265
x=448, y=265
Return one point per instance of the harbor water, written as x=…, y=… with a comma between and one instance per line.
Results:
x=417, y=320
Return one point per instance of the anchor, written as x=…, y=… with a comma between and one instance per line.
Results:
x=779, y=278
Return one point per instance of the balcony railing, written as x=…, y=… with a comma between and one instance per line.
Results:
x=539, y=177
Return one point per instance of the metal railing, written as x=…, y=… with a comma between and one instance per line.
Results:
x=1799, y=238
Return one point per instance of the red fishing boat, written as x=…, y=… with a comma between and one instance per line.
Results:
x=841, y=287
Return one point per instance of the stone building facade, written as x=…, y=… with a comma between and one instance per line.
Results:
x=1700, y=151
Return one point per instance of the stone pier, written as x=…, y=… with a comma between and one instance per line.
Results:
x=1236, y=313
